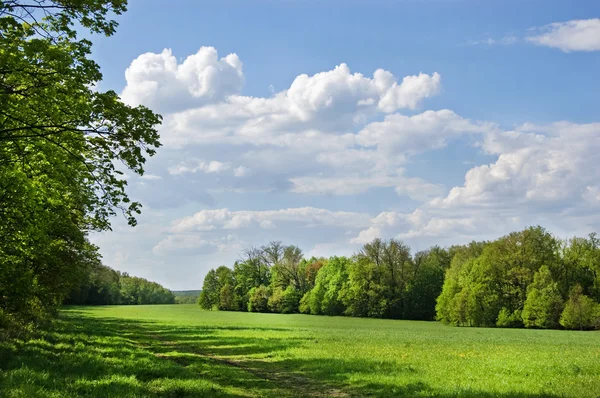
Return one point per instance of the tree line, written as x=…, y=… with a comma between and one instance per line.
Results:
x=103, y=285
x=524, y=279
x=64, y=148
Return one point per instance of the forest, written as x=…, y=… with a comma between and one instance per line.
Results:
x=527, y=279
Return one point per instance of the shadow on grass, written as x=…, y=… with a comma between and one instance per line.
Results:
x=108, y=357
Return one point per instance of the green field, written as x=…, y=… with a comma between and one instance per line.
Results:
x=182, y=351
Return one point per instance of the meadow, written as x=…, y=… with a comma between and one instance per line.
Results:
x=183, y=351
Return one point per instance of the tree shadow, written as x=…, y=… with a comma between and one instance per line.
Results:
x=110, y=357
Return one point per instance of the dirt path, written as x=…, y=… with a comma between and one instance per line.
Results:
x=296, y=385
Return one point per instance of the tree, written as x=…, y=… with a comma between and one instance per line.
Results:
x=581, y=312
x=476, y=291
x=394, y=271
x=60, y=144
x=259, y=299
x=209, y=297
x=426, y=284
x=544, y=303
x=289, y=270
x=272, y=253
x=325, y=297
x=227, y=299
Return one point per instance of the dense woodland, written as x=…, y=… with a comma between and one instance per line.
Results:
x=524, y=279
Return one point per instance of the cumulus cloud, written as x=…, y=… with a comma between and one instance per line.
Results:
x=414, y=134
x=575, y=35
x=543, y=174
x=536, y=164
x=161, y=83
x=341, y=92
x=201, y=97
x=298, y=138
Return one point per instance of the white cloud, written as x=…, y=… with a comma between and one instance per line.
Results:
x=296, y=139
x=414, y=134
x=214, y=166
x=536, y=164
x=543, y=174
x=414, y=188
x=207, y=220
x=576, y=35
x=330, y=102
x=194, y=244
x=161, y=83
x=343, y=92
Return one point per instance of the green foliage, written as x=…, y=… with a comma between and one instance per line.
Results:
x=105, y=286
x=258, y=299
x=581, y=312
x=136, y=290
x=325, y=297
x=507, y=319
x=209, y=298
x=60, y=144
x=514, y=281
x=490, y=287
x=186, y=299
x=275, y=302
x=227, y=298
x=426, y=285
x=544, y=302
x=304, y=307
x=186, y=296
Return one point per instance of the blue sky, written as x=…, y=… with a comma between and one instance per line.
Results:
x=486, y=121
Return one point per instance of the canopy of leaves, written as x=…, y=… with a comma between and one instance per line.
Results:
x=63, y=149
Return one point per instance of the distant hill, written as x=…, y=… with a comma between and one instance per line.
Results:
x=195, y=293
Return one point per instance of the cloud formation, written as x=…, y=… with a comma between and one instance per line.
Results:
x=332, y=162
x=161, y=83
x=575, y=35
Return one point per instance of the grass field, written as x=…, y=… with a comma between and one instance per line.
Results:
x=182, y=351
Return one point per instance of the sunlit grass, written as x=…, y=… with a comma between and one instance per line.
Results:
x=181, y=351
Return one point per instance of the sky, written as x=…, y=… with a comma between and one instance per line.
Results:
x=326, y=124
